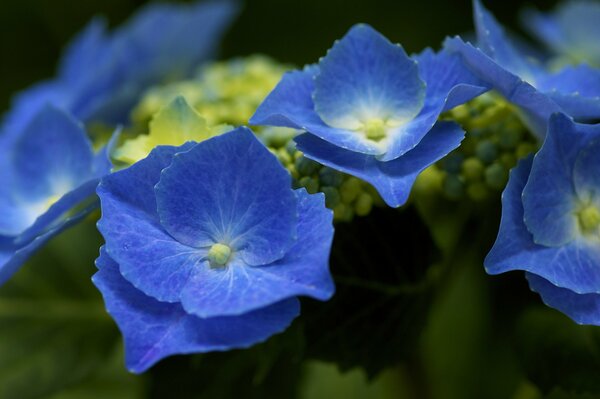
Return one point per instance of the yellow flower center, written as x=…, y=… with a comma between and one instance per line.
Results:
x=219, y=255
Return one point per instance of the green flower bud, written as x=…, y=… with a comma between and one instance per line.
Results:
x=311, y=185
x=350, y=189
x=306, y=167
x=496, y=176
x=486, y=151
x=453, y=186
x=332, y=196
x=363, y=204
x=472, y=168
x=330, y=177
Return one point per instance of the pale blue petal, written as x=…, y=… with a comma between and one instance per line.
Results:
x=290, y=104
x=13, y=256
x=51, y=156
x=148, y=256
x=393, y=179
x=582, y=308
x=231, y=190
x=364, y=76
x=153, y=330
x=304, y=270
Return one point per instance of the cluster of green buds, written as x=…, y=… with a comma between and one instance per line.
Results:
x=495, y=140
x=346, y=195
x=226, y=94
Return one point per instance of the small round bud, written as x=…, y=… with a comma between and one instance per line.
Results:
x=496, y=176
x=306, y=167
x=472, y=168
x=453, y=186
x=330, y=177
x=363, y=204
x=332, y=196
x=486, y=151
x=219, y=255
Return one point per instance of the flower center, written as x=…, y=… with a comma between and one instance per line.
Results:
x=219, y=255
x=375, y=129
x=589, y=218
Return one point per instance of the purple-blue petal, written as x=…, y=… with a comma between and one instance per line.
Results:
x=154, y=330
x=230, y=190
x=582, y=308
x=240, y=288
x=393, y=179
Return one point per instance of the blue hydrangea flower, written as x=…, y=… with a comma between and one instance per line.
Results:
x=369, y=110
x=49, y=175
x=102, y=75
x=551, y=221
x=574, y=90
x=571, y=30
x=207, y=248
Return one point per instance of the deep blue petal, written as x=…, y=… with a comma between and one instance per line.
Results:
x=148, y=256
x=576, y=89
x=364, y=76
x=449, y=81
x=154, y=330
x=229, y=190
x=303, y=271
x=536, y=106
x=549, y=197
x=494, y=42
x=393, y=179
x=582, y=308
x=573, y=266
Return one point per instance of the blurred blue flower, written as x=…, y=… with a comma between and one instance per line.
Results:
x=102, y=75
x=49, y=175
x=551, y=221
x=523, y=80
x=207, y=248
x=370, y=110
x=572, y=30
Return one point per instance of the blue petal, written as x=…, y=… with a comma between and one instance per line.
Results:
x=549, y=197
x=494, y=42
x=393, y=179
x=449, y=84
x=13, y=256
x=573, y=266
x=148, y=256
x=303, y=271
x=449, y=81
x=537, y=107
x=27, y=104
x=576, y=89
x=163, y=41
x=290, y=104
x=545, y=27
x=230, y=190
x=585, y=172
x=582, y=308
x=154, y=330
x=364, y=76
x=52, y=155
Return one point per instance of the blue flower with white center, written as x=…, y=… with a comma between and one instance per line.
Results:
x=369, y=110
x=571, y=30
x=207, y=248
x=575, y=90
x=102, y=75
x=551, y=221
x=49, y=175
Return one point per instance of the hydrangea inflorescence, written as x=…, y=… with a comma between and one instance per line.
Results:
x=207, y=248
x=551, y=221
x=101, y=75
x=47, y=172
x=525, y=81
x=370, y=111
x=571, y=31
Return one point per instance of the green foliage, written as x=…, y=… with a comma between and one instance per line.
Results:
x=56, y=340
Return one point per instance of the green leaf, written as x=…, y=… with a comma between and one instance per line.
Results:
x=54, y=331
x=381, y=265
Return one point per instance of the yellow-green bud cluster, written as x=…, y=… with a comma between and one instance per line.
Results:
x=495, y=140
x=346, y=195
x=222, y=92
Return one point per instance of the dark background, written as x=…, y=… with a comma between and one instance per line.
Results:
x=34, y=32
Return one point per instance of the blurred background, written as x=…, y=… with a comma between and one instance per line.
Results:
x=34, y=32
